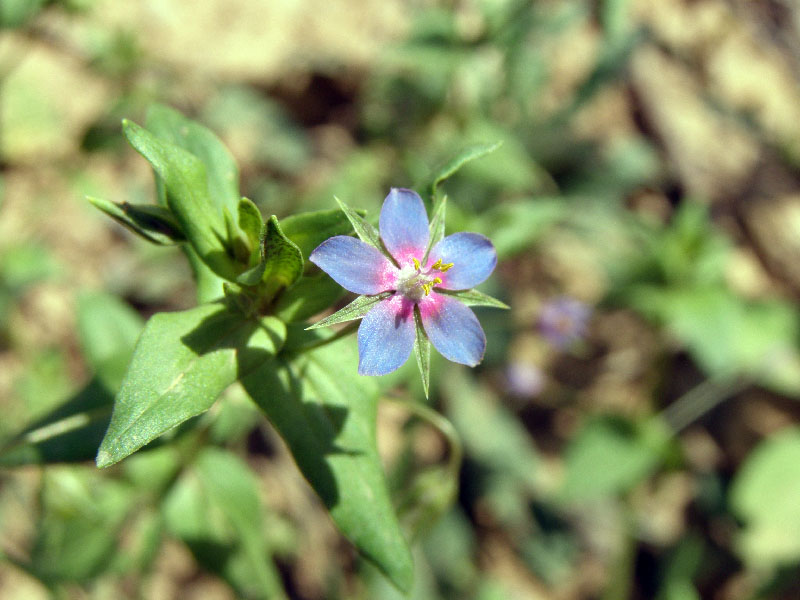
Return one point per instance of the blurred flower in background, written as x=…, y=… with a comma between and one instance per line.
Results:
x=524, y=379
x=564, y=321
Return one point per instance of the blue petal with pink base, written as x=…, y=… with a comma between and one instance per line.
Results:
x=387, y=332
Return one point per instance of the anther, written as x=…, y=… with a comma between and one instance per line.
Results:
x=416, y=263
x=439, y=266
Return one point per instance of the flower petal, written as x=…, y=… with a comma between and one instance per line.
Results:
x=354, y=265
x=453, y=329
x=404, y=225
x=473, y=257
x=386, y=336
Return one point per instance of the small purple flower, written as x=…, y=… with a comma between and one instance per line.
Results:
x=387, y=332
x=564, y=321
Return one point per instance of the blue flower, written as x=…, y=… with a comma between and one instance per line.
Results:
x=415, y=282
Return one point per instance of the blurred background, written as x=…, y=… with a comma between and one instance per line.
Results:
x=633, y=430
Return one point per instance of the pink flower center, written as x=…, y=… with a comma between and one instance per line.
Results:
x=415, y=282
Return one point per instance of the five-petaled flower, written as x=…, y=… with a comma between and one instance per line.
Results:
x=457, y=262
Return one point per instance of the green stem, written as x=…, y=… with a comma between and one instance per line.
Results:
x=700, y=400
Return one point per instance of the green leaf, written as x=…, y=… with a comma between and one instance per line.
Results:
x=355, y=310
x=184, y=176
x=70, y=433
x=308, y=230
x=154, y=223
x=222, y=173
x=108, y=330
x=77, y=533
x=728, y=335
x=232, y=487
x=764, y=494
x=182, y=362
x=422, y=350
x=308, y=297
x=474, y=298
x=609, y=456
x=366, y=232
x=326, y=413
x=196, y=512
x=459, y=160
x=250, y=222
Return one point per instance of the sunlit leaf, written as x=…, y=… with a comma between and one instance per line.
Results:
x=326, y=413
x=182, y=363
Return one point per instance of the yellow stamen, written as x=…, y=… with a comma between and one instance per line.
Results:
x=435, y=281
x=416, y=263
x=439, y=266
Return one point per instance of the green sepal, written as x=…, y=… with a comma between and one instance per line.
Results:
x=474, y=298
x=452, y=166
x=281, y=263
x=366, y=232
x=422, y=350
x=436, y=227
x=355, y=310
x=154, y=223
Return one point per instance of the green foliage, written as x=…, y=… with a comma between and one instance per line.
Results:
x=215, y=509
x=187, y=197
x=609, y=456
x=154, y=223
x=764, y=495
x=462, y=158
x=326, y=414
x=355, y=310
x=182, y=362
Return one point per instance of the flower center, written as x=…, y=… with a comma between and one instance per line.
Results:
x=414, y=282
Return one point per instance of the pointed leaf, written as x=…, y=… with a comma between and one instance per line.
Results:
x=70, y=433
x=154, y=223
x=355, y=310
x=184, y=176
x=327, y=416
x=182, y=362
x=474, y=298
x=221, y=170
x=366, y=232
x=422, y=350
x=309, y=230
x=459, y=160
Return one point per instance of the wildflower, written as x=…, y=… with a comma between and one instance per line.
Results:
x=524, y=380
x=564, y=321
x=415, y=279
